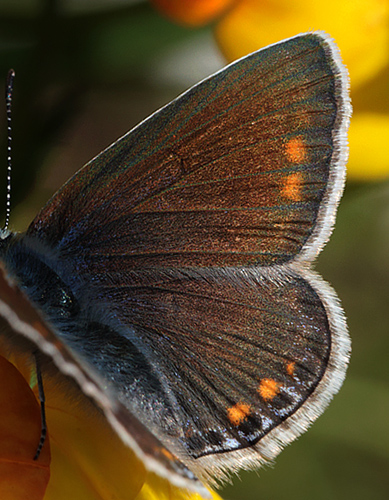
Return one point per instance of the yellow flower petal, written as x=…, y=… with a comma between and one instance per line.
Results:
x=360, y=29
x=89, y=461
x=368, y=136
x=192, y=12
x=157, y=488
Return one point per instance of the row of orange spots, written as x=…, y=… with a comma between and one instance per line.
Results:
x=296, y=153
x=238, y=413
x=268, y=389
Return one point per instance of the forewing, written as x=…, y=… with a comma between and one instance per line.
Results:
x=241, y=169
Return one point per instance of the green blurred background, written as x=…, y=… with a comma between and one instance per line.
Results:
x=87, y=71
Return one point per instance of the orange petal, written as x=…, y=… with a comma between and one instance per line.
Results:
x=361, y=29
x=192, y=12
x=20, y=426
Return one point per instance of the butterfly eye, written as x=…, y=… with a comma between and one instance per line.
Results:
x=64, y=299
x=44, y=285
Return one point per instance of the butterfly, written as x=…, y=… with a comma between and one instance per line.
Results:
x=171, y=276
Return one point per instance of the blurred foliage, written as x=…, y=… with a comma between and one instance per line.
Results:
x=59, y=56
x=81, y=82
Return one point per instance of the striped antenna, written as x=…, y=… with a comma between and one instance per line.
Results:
x=8, y=100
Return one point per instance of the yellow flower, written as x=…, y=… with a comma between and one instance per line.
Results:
x=88, y=460
x=361, y=30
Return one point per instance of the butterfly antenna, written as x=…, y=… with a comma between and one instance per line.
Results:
x=8, y=101
x=43, y=402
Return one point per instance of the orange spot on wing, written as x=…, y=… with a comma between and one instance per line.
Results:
x=238, y=413
x=290, y=367
x=167, y=453
x=296, y=150
x=268, y=389
x=292, y=186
